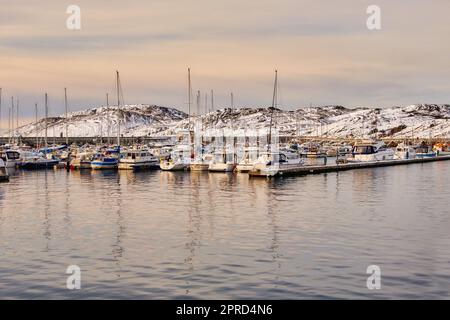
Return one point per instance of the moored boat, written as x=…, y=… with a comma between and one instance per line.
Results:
x=424, y=151
x=248, y=160
x=82, y=160
x=367, y=152
x=34, y=161
x=223, y=161
x=271, y=163
x=404, y=152
x=137, y=160
x=105, y=161
x=178, y=160
x=11, y=158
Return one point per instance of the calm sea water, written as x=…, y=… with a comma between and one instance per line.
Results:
x=158, y=235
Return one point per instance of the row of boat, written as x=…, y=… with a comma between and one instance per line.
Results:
x=180, y=158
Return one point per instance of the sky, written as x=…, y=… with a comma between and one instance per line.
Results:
x=322, y=49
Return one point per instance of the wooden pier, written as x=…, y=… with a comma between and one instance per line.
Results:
x=317, y=169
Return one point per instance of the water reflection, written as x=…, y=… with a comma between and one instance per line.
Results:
x=199, y=234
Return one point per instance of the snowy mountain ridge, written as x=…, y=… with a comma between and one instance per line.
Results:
x=423, y=120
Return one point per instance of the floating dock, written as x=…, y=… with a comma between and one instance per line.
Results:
x=317, y=169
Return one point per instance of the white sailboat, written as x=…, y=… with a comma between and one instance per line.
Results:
x=271, y=162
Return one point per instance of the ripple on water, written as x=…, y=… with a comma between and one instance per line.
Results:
x=159, y=235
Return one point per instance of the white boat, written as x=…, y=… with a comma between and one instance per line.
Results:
x=270, y=163
x=104, y=161
x=82, y=160
x=11, y=158
x=223, y=161
x=368, y=152
x=248, y=160
x=138, y=160
x=4, y=177
x=33, y=160
x=425, y=152
x=179, y=159
x=201, y=164
x=404, y=152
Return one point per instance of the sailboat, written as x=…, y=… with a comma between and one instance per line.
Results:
x=272, y=162
x=201, y=160
x=42, y=159
x=180, y=158
x=109, y=160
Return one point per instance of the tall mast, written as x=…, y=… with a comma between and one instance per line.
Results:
x=206, y=103
x=189, y=97
x=232, y=101
x=36, y=124
x=108, y=118
x=17, y=120
x=9, y=124
x=198, y=103
x=212, y=100
x=46, y=127
x=274, y=102
x=13, y=133
x=67, y=119
x=118, y=107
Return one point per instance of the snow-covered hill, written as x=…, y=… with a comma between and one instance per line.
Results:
x=142, y=120
x=103, y=121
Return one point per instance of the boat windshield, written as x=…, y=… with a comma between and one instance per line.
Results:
x=12, y=155
x=363, y=150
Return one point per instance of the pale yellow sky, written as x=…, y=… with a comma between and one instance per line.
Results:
x=322, y=48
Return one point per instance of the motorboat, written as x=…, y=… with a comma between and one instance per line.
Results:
x=270, y=163
x=33, y=160
x=178, y=160
x=11, y=158
x=368, y=152
x=105, y=161
x=404, y=152
x=201, y=164
x=248, y=160
x=424, y=151
x=82, y=160
x=137, y=160
x=223, y=161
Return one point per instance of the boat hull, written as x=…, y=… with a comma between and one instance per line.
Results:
x=167, y=166
x=138, y=165
x=103, y=165
x=199, y=167
x=221, y=167
x=36, y=165
x=244, y=168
